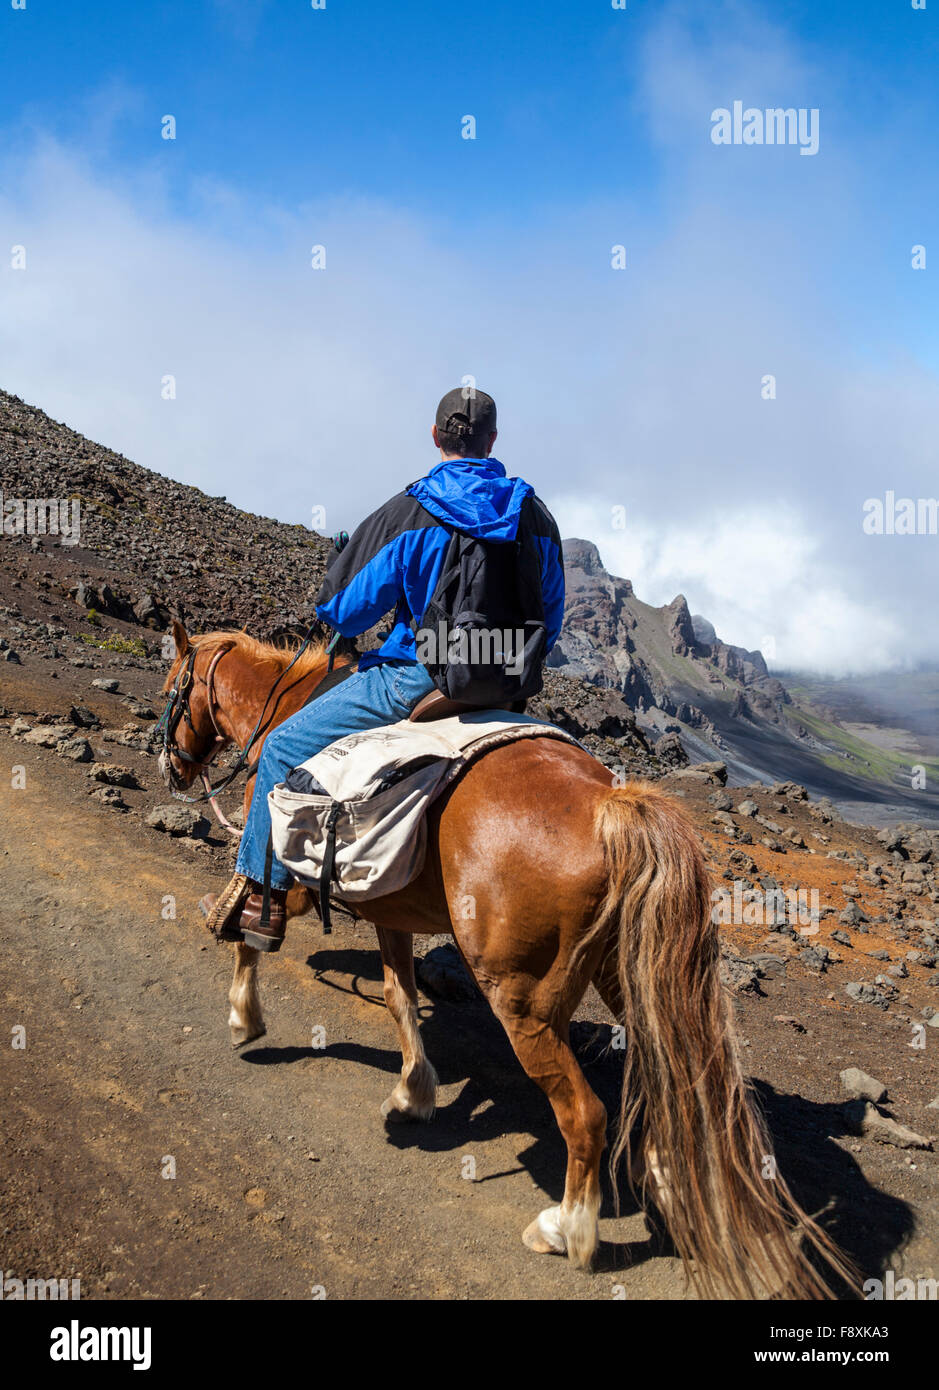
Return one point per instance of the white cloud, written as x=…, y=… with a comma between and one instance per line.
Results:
x=763, y=581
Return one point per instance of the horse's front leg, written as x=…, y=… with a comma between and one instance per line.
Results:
x=415, y=1095
x=245, y=1021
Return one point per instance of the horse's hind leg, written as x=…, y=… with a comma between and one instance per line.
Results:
x=415, y=1096
x=542, y=1046
x=546, y=1056
x=245, y=1021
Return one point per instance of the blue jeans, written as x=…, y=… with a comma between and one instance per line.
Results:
x=381, y=695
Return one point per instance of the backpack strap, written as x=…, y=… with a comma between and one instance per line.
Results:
x=329, y=860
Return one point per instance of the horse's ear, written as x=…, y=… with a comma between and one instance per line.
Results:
x=180, y=638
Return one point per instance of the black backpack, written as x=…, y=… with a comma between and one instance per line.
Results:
x=482, y=637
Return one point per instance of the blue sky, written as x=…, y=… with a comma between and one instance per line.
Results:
x=492, y=257
x=364, y=96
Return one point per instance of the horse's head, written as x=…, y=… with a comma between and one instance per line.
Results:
x=201, y=715
x=188, y=726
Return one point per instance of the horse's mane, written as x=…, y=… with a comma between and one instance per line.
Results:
x=276, y=654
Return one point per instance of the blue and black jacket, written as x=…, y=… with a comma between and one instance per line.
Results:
x=394, y=559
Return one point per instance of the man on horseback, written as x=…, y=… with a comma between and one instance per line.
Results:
x=574, y=877
x=394, y=560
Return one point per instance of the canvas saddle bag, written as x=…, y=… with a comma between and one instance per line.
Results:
x=353, y=817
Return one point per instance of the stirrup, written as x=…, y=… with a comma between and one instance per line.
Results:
x=228, y=905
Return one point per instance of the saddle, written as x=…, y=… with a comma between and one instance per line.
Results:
x=437, y=705
x=434, y=705
x=351, y=818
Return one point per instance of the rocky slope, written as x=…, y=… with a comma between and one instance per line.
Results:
x=149, y=549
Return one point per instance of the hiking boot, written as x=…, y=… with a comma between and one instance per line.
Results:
x=235, y=914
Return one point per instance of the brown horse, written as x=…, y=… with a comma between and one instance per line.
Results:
x=549, y=877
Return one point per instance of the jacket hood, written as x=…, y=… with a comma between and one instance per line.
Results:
x=474, y=496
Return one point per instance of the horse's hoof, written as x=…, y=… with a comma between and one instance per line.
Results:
x=240, y=1038
x=414, y=1098
x=405, y=1111
x=544, y=1234
x=393, y=1116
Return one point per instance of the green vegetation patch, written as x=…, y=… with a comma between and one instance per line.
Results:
x=127, y=646
x=864, y=759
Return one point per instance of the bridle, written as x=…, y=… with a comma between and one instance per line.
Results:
x=177, y=709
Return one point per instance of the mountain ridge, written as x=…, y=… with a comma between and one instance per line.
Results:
x=719, y=698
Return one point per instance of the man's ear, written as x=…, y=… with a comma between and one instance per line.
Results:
x=180, y=638
x=433, y=435
x=492, y=439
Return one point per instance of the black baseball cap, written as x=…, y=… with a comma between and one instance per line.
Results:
x=466, y=411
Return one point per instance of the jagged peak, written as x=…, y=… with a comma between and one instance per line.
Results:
x=583, y=555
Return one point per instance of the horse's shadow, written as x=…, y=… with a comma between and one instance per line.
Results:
x=466, y=1043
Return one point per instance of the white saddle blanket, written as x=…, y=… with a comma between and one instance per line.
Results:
x=378, y=785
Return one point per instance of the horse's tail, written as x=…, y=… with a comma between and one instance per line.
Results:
x=701, y=1141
